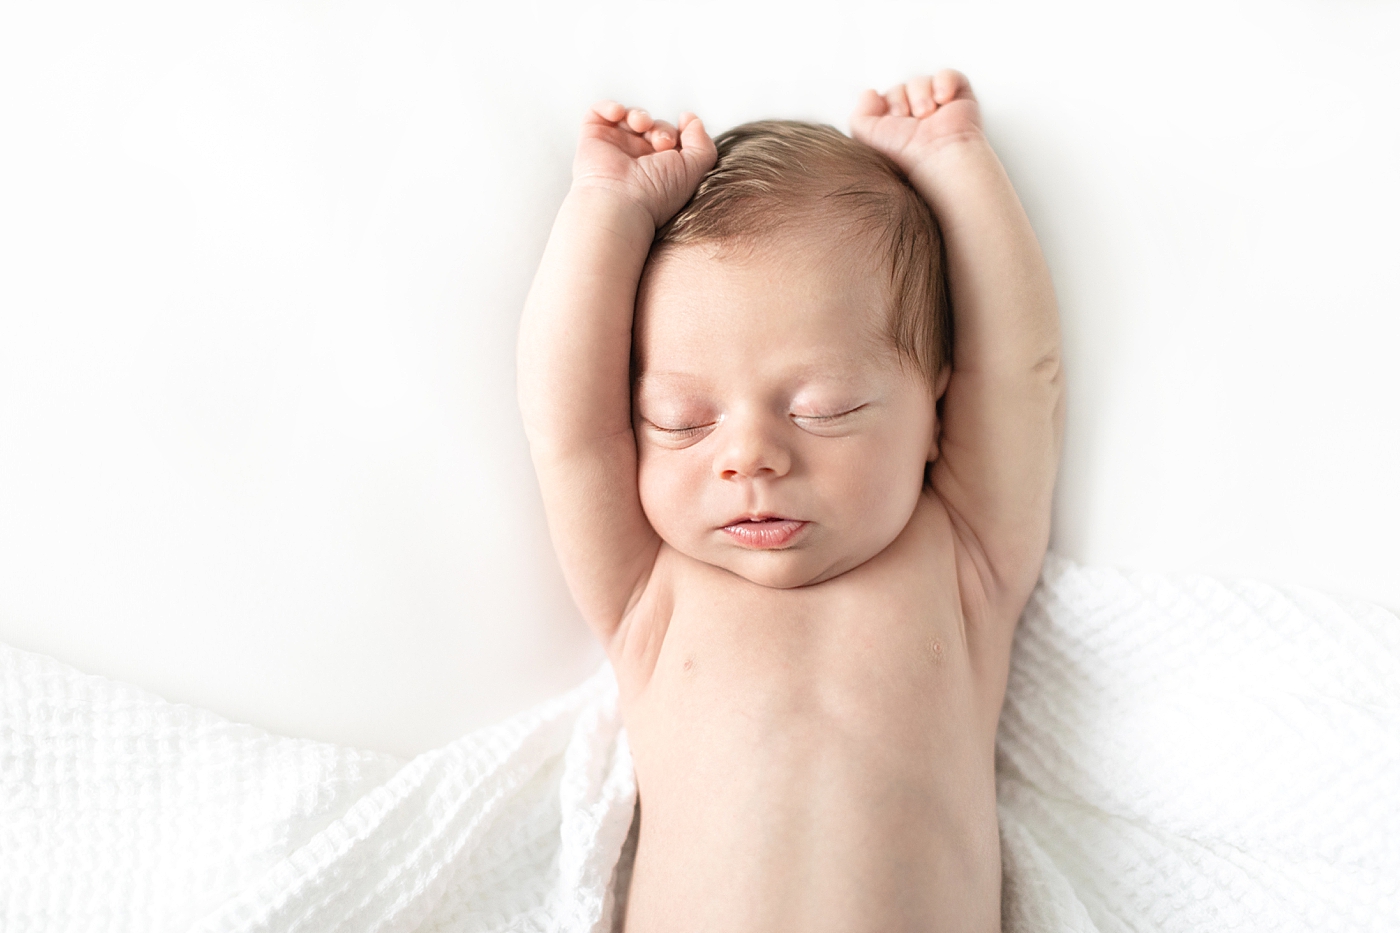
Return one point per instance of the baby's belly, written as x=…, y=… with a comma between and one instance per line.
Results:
x=817, y=766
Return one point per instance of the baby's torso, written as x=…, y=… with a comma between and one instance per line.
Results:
x=818, y=758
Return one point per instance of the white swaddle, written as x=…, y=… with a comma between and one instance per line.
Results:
x=1176, y=753
x=1183, y=753
x=121, y=811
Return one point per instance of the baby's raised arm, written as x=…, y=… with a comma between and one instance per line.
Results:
x=1003, y=411
x=631, y=174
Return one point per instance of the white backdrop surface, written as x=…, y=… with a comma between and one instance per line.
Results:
x=261, y=266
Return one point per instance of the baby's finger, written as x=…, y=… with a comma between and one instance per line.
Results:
x=692, y=130
x=606, y=111
x=898, y=101
x=950, y=85
x=921, y=102
x=638, y=120
x=696, y=144
x=871, y=104
x=662, y=135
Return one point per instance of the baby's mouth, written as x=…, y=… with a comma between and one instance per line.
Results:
x=764, y=532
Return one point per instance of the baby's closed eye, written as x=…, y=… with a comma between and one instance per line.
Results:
x=829, y=417
x=677, y=427
x=826, y=413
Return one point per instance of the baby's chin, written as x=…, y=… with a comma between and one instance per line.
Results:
x=786, y=569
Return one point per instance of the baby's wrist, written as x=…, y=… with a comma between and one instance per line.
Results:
x=606, y=207
x=938, y=161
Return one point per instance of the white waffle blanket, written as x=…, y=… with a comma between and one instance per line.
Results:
x=1176, y=753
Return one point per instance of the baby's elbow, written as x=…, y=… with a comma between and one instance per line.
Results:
x=1048, y=367
x=1048, y=380
x=1048, y=376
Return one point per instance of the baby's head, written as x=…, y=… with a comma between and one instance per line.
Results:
x=792, y=338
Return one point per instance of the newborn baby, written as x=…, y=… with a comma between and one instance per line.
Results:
x=796, y=442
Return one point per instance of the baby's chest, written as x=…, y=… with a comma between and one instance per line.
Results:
x=878, y=642
x=746, y=631
x=791, y=687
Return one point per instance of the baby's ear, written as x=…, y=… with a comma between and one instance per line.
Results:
x=940, y=385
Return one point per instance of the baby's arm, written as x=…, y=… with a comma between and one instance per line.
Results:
x=1003, y=411
x=630, y=175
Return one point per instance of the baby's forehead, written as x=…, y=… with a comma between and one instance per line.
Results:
x=803, y=306
x=817, y=255
x=851, y=371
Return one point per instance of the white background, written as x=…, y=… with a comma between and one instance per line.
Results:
x=261, y=266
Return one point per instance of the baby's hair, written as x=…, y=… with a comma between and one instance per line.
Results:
x=776, y=174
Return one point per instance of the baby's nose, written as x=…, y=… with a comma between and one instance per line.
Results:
x=750, y=449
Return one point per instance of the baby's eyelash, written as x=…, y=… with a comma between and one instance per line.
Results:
x=839, y=414
x=679, y=432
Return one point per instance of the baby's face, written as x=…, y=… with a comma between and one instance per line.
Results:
x=778, y=435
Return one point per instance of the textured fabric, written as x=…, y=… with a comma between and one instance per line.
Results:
x=1184, y=753
x=1176, y=753
x=120, y=811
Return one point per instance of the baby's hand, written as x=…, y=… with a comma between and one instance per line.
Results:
x=914, y=120
x=647, y=162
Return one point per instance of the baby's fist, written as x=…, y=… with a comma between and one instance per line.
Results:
x=913, y=120
x=647, y=162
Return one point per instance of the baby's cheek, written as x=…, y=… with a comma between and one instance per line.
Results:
x=887, y=488
x=662, y=491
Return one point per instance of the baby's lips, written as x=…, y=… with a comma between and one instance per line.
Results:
x=764, y=533
x=757, y=517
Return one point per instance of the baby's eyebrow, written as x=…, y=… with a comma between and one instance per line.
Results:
x=651, y=377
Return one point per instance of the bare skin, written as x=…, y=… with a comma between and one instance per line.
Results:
x=811, y=641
